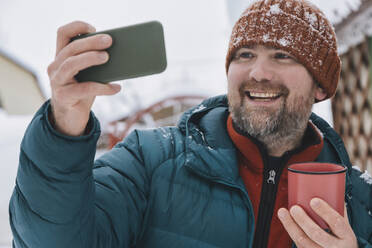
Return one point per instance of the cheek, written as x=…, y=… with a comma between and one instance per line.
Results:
x=234, y=80
x=299, y=82
x=234, y=77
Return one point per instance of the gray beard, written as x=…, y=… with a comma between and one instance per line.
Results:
x=282, y=128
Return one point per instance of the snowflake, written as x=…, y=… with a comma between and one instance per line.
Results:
x=284, y=42
x=366, y=177
x=312, y=18
x=201, y=107
x=275, y=9
x=265, y=38
x=237, y=40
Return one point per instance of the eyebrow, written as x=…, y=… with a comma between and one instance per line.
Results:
x=249, y=47
x=254, y=46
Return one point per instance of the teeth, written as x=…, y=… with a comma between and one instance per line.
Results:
x=263, y=95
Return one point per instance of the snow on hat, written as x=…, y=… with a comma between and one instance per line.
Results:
x=295, y=26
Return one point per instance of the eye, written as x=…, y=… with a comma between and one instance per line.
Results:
x=282, y=56
x=244, y=55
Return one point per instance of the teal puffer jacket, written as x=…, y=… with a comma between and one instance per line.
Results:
x=166, y=187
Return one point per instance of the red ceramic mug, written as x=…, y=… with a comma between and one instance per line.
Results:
x=321, y=180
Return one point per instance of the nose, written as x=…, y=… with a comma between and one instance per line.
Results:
x=261, y=71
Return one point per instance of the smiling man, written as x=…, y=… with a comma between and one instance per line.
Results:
x=217, y=179
x=270, y=96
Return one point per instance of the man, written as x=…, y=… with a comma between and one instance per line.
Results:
x=219, y=178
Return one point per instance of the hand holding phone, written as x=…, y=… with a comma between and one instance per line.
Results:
x=71, y=101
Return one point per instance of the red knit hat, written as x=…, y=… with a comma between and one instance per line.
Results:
x=295, y=26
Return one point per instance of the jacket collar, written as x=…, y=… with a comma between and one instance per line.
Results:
x=209, y=149
x=334, y=150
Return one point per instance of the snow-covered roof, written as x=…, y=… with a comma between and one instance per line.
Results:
x=337, y=10
x=353, y=29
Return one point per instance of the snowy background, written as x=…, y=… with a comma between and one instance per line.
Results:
x=196, y=36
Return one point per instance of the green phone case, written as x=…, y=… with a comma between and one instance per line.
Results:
x=136, y=51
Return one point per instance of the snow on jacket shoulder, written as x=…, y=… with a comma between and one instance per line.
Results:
x=166, y=187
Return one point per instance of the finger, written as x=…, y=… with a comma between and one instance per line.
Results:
x=71, y=66
x=66, y=32
x=85, y=90
x=93, y=43
x=338, y=224
x=295, y=232
x=312, y=230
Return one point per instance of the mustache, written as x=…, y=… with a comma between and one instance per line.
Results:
x=263, y=86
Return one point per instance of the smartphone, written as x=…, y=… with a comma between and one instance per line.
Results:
x=136, y=51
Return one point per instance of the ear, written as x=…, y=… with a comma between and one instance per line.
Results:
x=320, y=93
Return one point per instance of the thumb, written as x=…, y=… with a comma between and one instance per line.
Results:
x=115, y=87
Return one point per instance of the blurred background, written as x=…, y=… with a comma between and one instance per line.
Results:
x=196, y=37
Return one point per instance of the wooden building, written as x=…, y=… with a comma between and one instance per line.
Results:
x=352, y=104
x=20, y=91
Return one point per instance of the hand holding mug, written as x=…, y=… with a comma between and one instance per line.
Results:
x=306, y=233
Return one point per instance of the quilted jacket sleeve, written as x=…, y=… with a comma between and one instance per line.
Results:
x=361, y=207
x=363, y=243
x=59, y=199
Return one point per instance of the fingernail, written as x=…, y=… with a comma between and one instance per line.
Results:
x=315, y=202
x=295, y=209
x=103, y=56
x=106, y=39
x=91, y=29
x=281, y=213
x=116, y=87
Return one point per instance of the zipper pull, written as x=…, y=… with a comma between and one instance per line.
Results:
x=271, y=178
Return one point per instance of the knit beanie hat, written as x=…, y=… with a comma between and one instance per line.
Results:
x=297, y=27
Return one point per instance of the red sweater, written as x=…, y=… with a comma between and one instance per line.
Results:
x=251, y=167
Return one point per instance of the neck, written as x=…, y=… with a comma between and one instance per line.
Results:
x=278, y=143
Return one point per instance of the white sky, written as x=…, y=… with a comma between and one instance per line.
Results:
x=196, y=36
